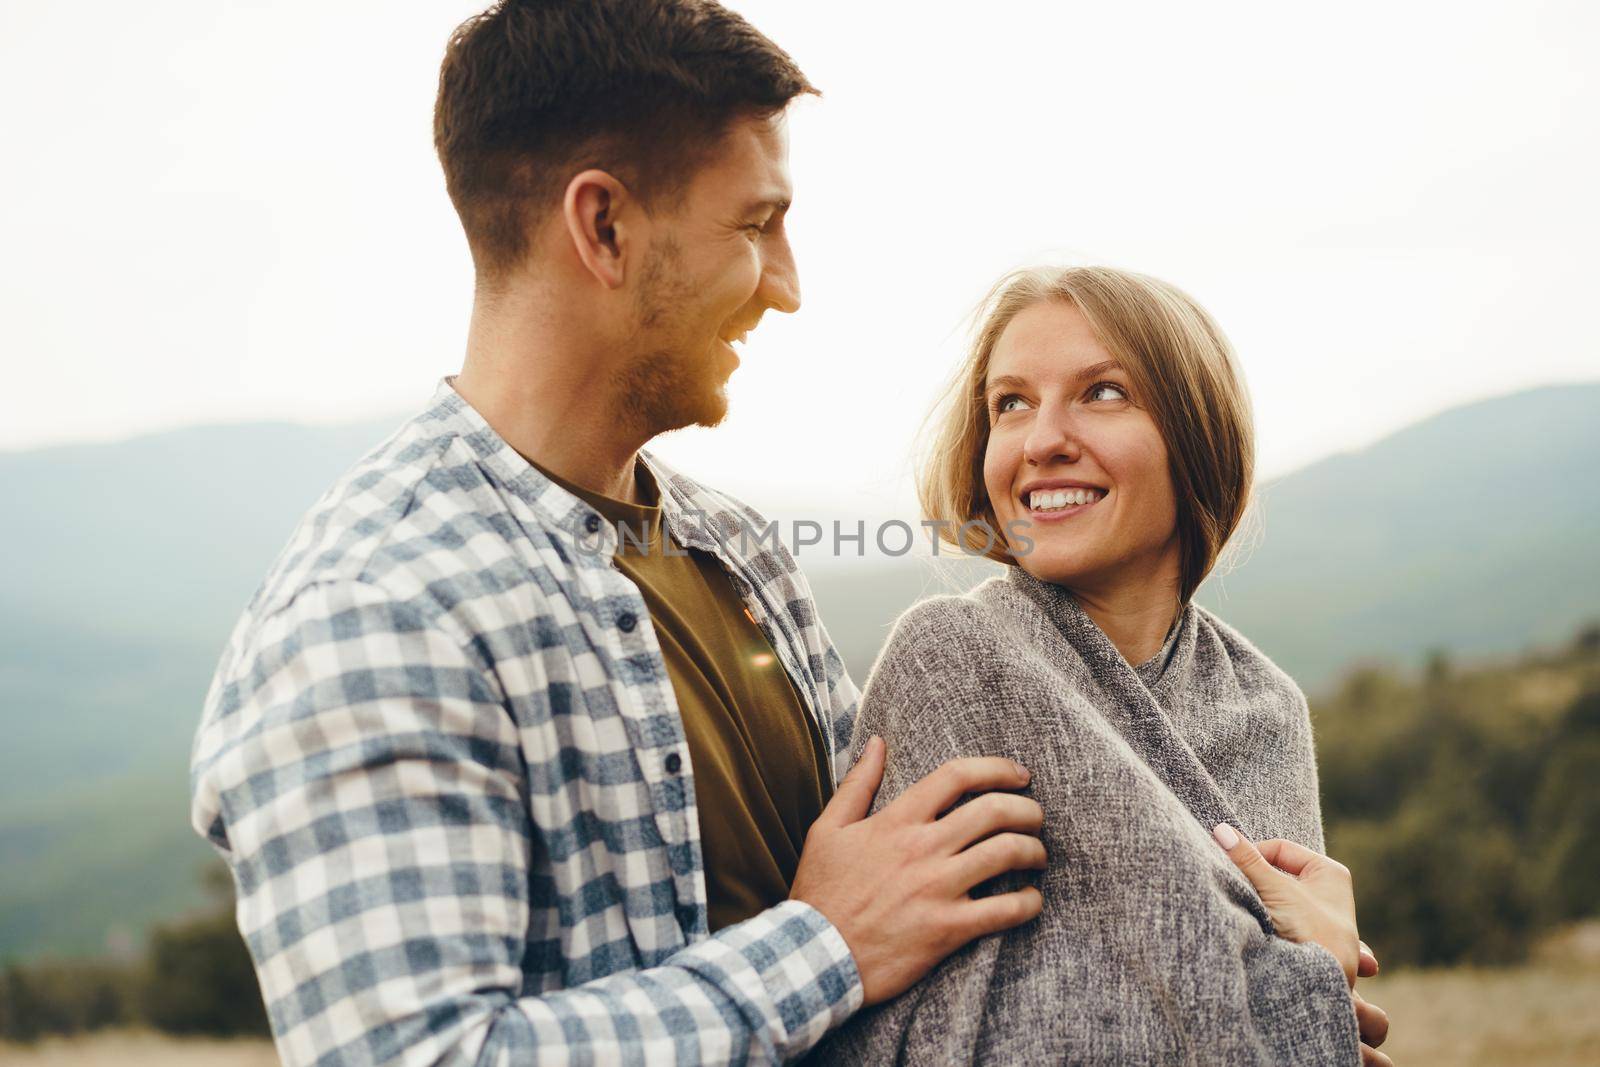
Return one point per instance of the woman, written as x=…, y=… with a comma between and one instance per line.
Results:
x=1099, y=442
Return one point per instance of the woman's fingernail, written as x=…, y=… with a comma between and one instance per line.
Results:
x=1022, y=771
x=1225, y=835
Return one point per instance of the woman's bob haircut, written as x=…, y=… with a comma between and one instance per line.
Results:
x=1183, y=372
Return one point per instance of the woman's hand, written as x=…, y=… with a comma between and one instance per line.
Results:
x=1308, y=895
x=1373, y=1024
x=1310, y=898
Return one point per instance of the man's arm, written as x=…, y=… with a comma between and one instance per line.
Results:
x=368, y=789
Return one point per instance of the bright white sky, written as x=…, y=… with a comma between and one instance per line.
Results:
x=224, y=211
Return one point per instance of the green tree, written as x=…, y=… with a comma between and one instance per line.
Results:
x=198, y=977
x=1565, y=821
x=19, y=1006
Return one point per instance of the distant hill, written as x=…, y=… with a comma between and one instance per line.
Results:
x=127, y=564
x=1476, y=531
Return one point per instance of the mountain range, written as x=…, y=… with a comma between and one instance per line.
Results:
x=1473, y=531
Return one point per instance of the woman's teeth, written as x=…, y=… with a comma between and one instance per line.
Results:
x=1055, y=499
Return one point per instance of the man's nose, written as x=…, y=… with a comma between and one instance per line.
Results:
x=780, y=279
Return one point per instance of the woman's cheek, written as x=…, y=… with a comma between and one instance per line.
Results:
x=997, y=476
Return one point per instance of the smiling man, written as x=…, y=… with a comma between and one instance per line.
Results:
x=500, y=786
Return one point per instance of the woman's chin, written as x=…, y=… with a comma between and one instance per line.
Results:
x=1053, y=566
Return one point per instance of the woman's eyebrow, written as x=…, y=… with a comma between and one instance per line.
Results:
x=1005, y=381
x=1097, y=369
x=1011, y=381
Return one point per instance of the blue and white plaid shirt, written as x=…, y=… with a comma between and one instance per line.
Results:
x=443, y=758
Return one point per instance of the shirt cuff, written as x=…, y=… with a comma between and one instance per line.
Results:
x=794, y=961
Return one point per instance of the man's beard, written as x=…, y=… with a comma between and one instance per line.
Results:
x=668, y=386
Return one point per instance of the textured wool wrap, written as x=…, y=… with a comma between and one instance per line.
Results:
x=1152, y=947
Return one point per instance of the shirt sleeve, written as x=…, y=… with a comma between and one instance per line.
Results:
x=367, y=786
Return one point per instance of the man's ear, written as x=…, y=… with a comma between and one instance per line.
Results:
x=593, y=209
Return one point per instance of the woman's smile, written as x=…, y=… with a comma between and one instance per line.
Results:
x=1047, y=502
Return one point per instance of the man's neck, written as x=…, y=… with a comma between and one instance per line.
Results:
x=548, y=391
x=1135, y=615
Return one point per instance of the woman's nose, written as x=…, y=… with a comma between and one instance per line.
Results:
x=1051, y=438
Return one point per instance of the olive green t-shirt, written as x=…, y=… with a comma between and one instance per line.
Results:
x=758, y=758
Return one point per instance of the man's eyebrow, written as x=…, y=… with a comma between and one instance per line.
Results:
x=778, y=204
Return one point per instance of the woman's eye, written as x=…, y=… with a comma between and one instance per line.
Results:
x=1098, y=388
x=1009, y=402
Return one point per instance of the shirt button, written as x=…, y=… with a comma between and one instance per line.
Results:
x=674, y=763
x=626, y=622
x=592, y=523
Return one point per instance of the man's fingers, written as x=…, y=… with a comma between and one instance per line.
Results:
x=1371, y=1057
x=990, y=915
x=1246, y=857
x=938, y=792
x=990, y=814
x=996, y=855
x=853, y=797
x=1367, y=964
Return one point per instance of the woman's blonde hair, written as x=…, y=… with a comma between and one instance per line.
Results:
x=1183, y=372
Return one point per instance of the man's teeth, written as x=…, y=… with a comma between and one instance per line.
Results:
x=1051, y=499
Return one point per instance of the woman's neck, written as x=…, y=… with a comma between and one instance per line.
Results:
x=1135, y=617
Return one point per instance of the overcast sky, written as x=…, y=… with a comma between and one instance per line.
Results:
x=221, y=211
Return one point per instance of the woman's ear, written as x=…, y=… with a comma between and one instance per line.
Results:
x=592, y=210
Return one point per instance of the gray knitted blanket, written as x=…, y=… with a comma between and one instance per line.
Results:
x=1152, y=948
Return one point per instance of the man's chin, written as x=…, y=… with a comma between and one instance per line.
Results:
x=713, y=409
x=708, y=410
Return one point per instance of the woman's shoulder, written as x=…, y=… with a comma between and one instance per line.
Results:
x=943, y=686
x=957, y=628
x=1253, y=668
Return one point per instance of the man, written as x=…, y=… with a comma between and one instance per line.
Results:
x=497, y=788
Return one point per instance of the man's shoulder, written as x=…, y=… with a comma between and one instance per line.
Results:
x=414, y=517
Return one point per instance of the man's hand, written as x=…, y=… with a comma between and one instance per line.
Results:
x=895, y=885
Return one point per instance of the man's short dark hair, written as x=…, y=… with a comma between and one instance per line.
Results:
x=534, y=91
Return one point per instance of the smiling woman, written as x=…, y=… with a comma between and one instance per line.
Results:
x=1097, y=380
x=1101, y=423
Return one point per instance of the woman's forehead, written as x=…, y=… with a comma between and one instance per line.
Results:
x=1046, y=340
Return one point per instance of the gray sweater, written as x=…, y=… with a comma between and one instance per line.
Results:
x=1152, y=947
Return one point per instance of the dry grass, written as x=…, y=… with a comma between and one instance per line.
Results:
x=1468, y=1018
x=1545, y=1014
x=133, y=1049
